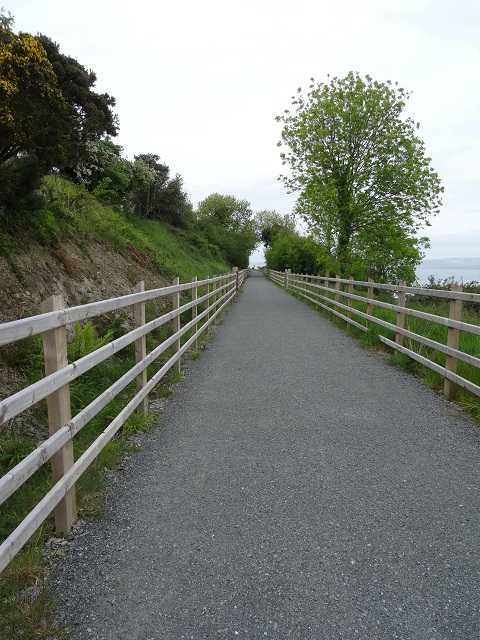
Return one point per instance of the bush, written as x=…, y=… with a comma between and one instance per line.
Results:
x=301, y=254
x=19, y=178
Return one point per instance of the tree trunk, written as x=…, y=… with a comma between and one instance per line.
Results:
x=345, y=228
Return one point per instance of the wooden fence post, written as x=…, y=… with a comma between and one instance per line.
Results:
x=350, y=301
x=221, y=283
x=235, y=271
x=176, y=320
x=337, y=287
x=216, y=297
x=141, y=343
x=370, y=307
x=208, y=304
x=195, y=311
x=59, y=414
x=402, y=301
x=453, y=340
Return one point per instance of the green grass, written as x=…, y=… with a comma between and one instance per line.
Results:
x=179, y=249
x=469, y=343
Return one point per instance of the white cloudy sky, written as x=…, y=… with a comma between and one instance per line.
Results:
x=199, y=83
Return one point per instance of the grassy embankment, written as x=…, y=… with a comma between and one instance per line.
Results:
x=469, y=343
x=71, y=213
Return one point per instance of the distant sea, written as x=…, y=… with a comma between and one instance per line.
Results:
x=460, y=269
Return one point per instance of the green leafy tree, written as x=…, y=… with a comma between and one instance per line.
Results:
x=357, y=162
x=228, y=222
x=302, y=254
x=270, y=223
x=388, y=255
x=228, y=211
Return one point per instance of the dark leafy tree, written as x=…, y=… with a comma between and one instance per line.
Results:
x=34, y=115
x=90, y=113
x=173, y=202
x=156, y=195
x=49, y=112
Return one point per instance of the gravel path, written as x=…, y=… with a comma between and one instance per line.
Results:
x=297, y=486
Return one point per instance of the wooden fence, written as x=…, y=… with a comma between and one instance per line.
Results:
x=54, y=387
x=336, y=295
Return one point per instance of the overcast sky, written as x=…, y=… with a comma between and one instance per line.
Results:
x=199, y=83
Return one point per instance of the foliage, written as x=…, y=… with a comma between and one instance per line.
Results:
x=106, y=173
x=31, y=101
x=19, y=179
x=30, y=105
x=445, y=284
x=155, y=194
x=143, y=187
x=228, y=211
x=301, y=254
x=70, y=212
x=49, y=113
x=85, y=340
x=228, y=222
x=90, y=112
x=387, y=255
x=270, y=223
x=473, y=286
x=359, y=166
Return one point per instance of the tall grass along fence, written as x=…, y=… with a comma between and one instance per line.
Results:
x=441, y=343
x=215, y=294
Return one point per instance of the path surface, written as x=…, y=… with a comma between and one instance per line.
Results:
x=298, y=486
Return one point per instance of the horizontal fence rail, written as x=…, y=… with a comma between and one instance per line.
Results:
x=54, y=387
x=336, y=295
